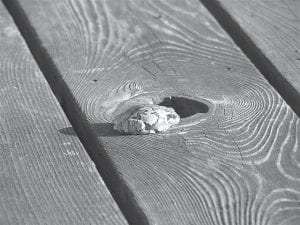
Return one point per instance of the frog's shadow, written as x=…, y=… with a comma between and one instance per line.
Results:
x=101, y=130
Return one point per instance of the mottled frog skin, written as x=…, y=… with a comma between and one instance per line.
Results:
x=146, y=119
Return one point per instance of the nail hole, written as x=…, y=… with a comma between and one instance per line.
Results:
x=185, y=107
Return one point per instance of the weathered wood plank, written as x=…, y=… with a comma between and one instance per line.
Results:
x=273, y=26
x=45, y=176
x=236, y=164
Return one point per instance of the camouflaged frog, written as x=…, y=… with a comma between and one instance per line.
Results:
x=146, y=119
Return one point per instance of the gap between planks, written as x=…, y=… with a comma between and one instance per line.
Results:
x=121, y=194
x=255, y=55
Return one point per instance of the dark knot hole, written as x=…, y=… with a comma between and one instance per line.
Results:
x=185, y=107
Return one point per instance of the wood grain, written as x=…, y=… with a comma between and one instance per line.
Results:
x=46, y=177
x=237, y=164
x=274, y=28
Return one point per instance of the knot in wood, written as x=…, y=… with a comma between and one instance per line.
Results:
x=146, y=119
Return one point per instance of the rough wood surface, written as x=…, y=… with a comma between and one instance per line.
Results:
x=274, y=27
x=45, y=177
x=236, y=164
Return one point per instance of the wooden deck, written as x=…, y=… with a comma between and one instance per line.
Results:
x=237, y=163
x=46, y=176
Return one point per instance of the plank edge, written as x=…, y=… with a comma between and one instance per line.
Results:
x=254, y=54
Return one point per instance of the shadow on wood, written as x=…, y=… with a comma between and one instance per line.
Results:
x=185, y=107
x=101, y=130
